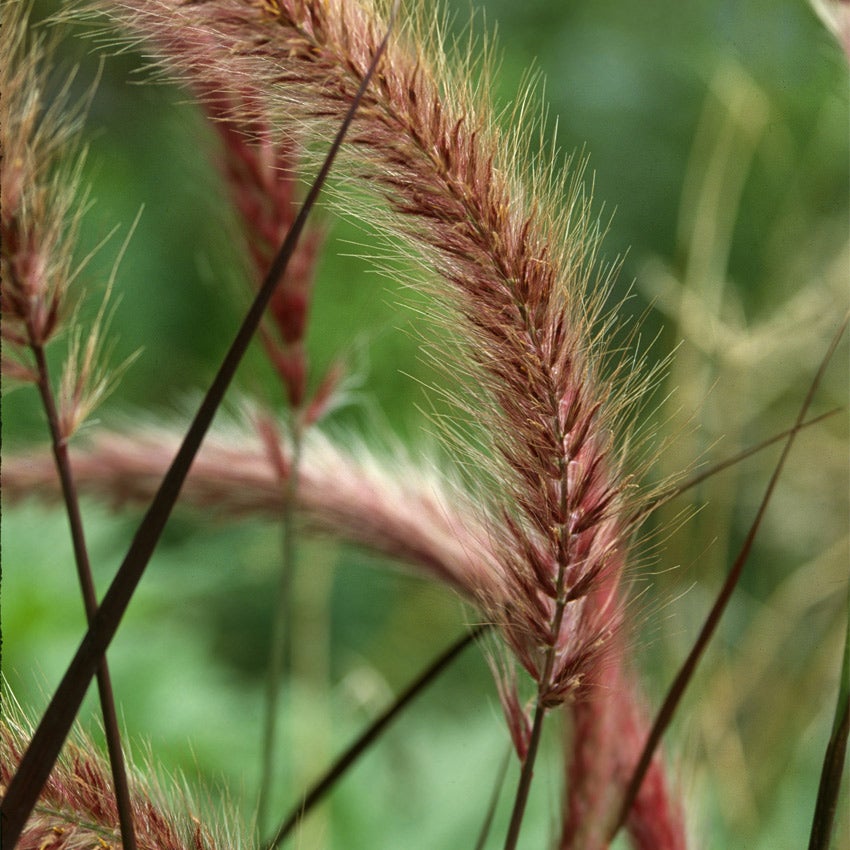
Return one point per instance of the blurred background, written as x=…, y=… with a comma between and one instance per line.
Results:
x=717, y=136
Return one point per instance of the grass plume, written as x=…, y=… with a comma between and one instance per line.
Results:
x=77, y=808
x=517, y=269
x=538, y=538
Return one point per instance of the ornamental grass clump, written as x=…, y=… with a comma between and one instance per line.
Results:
x=535, y=535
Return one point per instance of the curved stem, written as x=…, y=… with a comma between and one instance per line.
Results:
x=84, y=574
x=524, y=786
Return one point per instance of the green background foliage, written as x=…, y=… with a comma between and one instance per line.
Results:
x=717, y=131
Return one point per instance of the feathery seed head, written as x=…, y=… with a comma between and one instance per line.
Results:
x=515, y=269
x=43, y=203
x=40, y=185
x=261, y=177
x=515, y=266
x=389, y=505
x=77, y=809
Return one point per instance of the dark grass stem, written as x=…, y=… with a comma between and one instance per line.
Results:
x=525, y=777
x=494, y=802
x=41, y=755
x=281, y=641
x=81, y=559
x=832, y=771
x=336, y=771
x=685, y=674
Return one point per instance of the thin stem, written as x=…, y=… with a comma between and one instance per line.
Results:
x=525, y=777
x=836, y=751
x=836, y=748
x=695, y=480
x=494, y=801
x=685, y=674
x=84, y=574
x=336, y=771
x=281, y=640
x=41, y=755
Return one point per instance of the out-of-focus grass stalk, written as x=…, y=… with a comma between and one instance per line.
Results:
x=335, y=772
x=836, y=15
x=280, y=656
x=686, y=672
x=494, y=802
x=836, y=751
